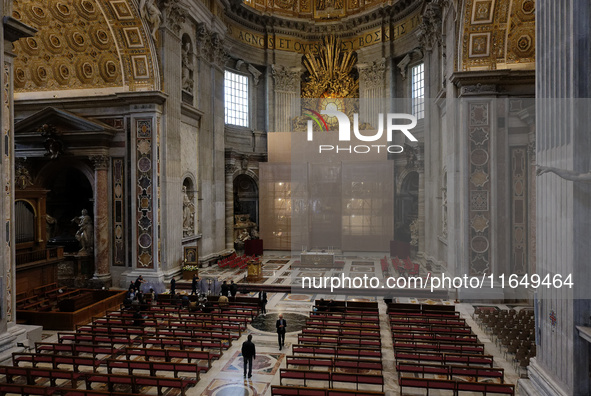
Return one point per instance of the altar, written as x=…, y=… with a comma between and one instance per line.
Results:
x=317, y=258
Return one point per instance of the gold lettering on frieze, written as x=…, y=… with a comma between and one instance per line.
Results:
x=290, y=44
x=246, y=36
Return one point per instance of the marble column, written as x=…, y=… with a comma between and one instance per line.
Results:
x=287, y=98
x=102, y=271
x=563, y=207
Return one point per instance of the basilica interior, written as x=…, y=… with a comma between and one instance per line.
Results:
x=176, y=145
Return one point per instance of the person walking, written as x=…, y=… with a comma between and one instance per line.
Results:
x=248, y=354
x=281, y=324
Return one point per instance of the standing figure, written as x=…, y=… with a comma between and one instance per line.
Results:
x=248, y=354
x=172, y=286
x=233, y=289
x=138, y=283
x=263, y=301
x=194, y=284
x=187, y=70
x=225, y=288
x=281, y=324
x=85, y=232
x=188, y=213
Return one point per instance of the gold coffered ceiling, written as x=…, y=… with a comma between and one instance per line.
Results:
x=83, y=44
x=498, y=34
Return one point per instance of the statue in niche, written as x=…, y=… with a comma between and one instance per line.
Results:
x=187, y=71
x=85, y=232
x=50, y=227
x=151, y=13
x=188, y=214
x=565, y=173
x=414, y=232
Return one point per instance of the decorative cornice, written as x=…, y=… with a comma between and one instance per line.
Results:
x=373, y=75
x=14, y=29
x=256, y=74
x=238, y=12
x=22, y=176
x=100, y=162
x=286, y=80
x=173, y=15
x=230, y=169
x=203, y=42
x=479, y=89
x=429, y=31
x=210, y=47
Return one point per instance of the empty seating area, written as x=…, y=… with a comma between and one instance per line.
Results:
x=339, y=345
x=512, y=331
x=46, y=298
x=234, y=261
x=169, y=349
x=404, y=267
x=435, y=348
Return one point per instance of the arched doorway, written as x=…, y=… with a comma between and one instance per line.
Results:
x=70, y=191
x=246, y=197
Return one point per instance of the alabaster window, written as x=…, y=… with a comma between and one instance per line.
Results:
x=236, y=99
x=418, y=90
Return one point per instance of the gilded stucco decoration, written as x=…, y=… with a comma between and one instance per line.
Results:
x=313, y=9
x=83, y=44
x=498, y=34
x=330, y=81
x=330, y=72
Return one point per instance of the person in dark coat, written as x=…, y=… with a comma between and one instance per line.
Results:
x=263, y=301
x=138, y=283
x=138, y=319
x=233, y=289
x=248, y=354
x=172, y=286
x=225, y=289
x=281, y=324
x=194, y=284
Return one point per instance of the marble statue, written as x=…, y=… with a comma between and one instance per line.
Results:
x=151, y=13
x=414, y=232
x=565, y=173
x=243, y=236
x=188, y=214
x=187, y=70
x=85, y=232
x=50, y=227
